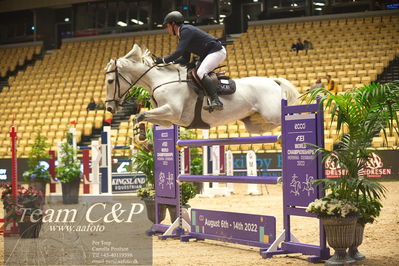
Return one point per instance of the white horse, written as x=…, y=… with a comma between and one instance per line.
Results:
x=257, y=100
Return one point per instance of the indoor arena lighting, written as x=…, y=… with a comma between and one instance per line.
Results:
x=122, y=24
x=137, y=21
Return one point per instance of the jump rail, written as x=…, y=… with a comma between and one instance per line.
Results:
x=232, y=141
x=231, y=179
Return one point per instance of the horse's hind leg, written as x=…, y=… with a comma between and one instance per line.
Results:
x=256, y=124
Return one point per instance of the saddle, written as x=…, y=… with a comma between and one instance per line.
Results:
x=225, y=85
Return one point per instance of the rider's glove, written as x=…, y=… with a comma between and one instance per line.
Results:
x=191, y=65
x=159, y=60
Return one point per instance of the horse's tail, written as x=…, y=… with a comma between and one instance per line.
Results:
x=289, y=90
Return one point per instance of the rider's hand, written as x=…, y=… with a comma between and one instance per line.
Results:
x=191, y=65
x=159, y=60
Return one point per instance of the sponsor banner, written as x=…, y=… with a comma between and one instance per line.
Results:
x=268, y=164
x=382, y=164
x=125, y=183
x=5, y=169
x=234, y=226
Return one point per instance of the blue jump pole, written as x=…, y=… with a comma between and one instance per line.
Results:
x=232, y=141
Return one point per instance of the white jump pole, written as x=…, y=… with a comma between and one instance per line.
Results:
x=106, y=161
x=95, y=166
x=252, y=171
x=229, y=170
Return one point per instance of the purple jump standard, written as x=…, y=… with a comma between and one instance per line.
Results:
x=301, y=124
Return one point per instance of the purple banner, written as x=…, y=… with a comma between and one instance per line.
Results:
x=234, y=226
x=300, y=164
x=165, y=161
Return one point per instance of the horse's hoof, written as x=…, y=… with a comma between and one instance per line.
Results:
x=142, y=137
x=138, y=119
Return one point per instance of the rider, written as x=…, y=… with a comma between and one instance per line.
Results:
x=193, y=40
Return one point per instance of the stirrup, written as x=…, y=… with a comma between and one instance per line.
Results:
x=212, y=108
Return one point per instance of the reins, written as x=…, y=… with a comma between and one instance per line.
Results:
x=117, y=90
x=117, y=83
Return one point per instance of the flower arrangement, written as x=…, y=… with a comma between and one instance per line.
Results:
x=147, y=191
x=361, y=114
x=331, y=207
x=39, y=173
x=28, y=203
x=69, y=166
x=39, y=152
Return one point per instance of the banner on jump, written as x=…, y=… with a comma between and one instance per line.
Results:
x=382, y=164
x=234, y=226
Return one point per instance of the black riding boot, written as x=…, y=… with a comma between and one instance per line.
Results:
x=210, y=88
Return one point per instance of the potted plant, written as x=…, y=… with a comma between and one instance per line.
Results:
x=140, y=96
x=339, y=217
x=26, y=209
x=361, y=114
x=37, y=175
x=68, y=173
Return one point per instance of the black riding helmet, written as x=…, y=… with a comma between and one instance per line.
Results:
x=174, y=16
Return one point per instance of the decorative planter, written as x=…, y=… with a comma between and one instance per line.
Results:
x=28, y=229
x=353, y=251
x=39, y=185
x=340, y=233
x=70, y=191
x=150, y=206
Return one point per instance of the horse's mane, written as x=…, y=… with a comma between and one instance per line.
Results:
x=148, y=61
x=145, y=56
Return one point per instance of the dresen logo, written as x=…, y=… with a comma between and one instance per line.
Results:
x=374, y=167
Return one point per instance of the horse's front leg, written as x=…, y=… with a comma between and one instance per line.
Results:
x=160, y=116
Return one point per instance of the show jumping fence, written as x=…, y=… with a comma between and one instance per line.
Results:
x=301, y=125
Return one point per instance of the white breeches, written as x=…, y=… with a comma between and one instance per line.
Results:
x=210, y=62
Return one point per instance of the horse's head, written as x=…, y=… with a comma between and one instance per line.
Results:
x=119, y=77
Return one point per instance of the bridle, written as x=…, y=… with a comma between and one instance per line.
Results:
x=117, y=91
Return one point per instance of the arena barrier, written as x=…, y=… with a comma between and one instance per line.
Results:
x=97, y=170
x=300, y=124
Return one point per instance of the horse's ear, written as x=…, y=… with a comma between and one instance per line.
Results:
x=135, y=53
x=109, y=65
